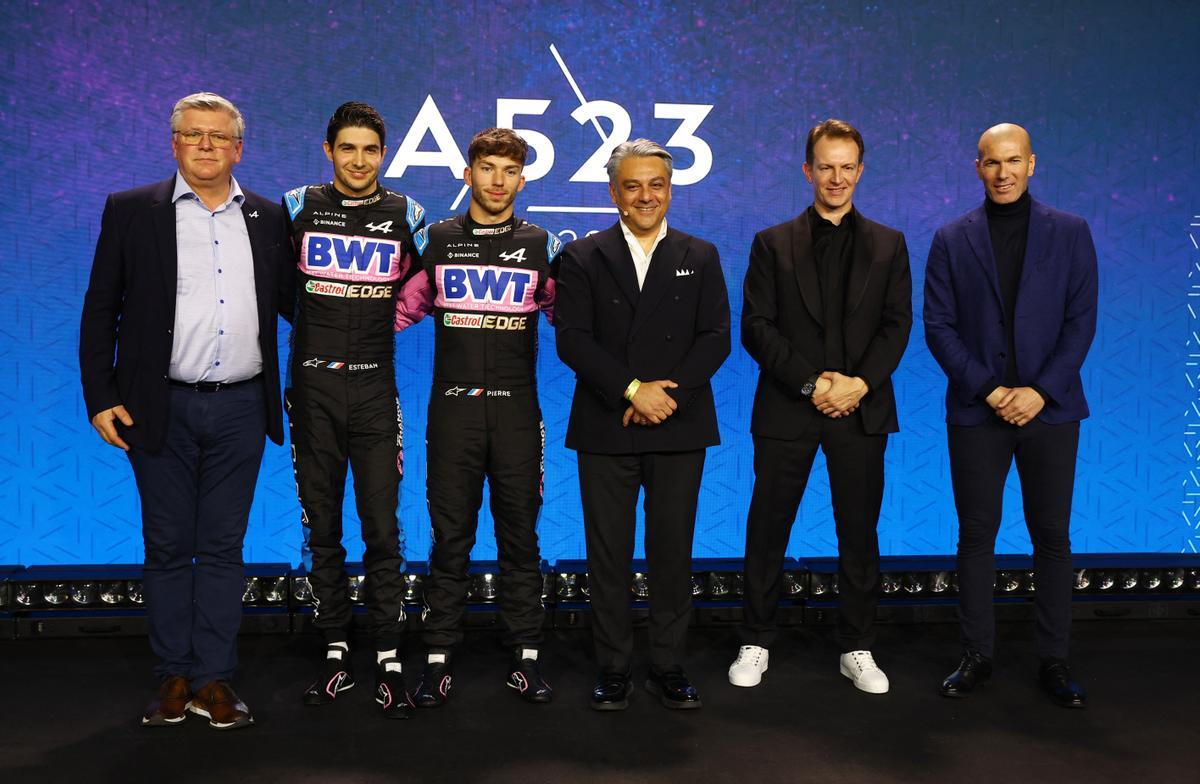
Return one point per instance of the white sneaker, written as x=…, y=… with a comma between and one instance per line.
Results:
x=748, y=667
x=860, y=667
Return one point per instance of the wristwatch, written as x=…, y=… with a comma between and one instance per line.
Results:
x=810, y=385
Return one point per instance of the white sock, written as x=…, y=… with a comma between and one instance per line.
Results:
x=337, y=650
x=391, y=666
x=436, y=658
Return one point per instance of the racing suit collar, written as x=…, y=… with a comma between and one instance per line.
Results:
x=502, y=229
x=342, y=200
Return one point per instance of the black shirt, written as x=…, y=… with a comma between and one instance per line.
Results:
x=1008, y=227
x=833, y=248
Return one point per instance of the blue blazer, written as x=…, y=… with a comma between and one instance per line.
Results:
x=1055, y=313
x=129, y=308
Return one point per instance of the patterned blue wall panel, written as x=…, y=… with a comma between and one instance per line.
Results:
x=87, y=89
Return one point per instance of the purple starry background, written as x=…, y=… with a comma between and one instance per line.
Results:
x=87, y=90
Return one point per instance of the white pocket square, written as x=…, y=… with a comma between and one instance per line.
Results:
x=684, y=273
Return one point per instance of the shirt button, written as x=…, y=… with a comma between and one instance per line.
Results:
x=216, y=242
x=220, y=270
x=220, y=332
x=222, y=302
x=217, y=363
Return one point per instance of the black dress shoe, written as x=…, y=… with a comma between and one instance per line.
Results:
x=974, y=669
x=612, y=691
x=673, y=689
x=1056, y=680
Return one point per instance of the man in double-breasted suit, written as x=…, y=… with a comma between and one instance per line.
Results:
x=642, y=317
x=1010, y=312
x=826, y=315
x=177, y=355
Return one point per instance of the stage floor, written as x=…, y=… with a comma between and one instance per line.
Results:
x=70, y=707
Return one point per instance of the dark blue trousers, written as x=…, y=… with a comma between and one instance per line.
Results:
x=196, y=494
x=980, y=459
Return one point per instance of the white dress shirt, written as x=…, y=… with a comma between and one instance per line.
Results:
x=641, y=259
x=216, y=310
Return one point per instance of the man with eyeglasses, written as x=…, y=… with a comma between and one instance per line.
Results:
x=355, y=243
x=177, y=355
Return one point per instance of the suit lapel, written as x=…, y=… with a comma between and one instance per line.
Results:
x=1041, y=232
x=860, y=266
x=805, y=267
x=981, y=244
x=163, y=210
x=668, y=257
x=620, y=263
x=258, y=252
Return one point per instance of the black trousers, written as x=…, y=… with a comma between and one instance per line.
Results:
x=781, y=469
x=475, y=433
x=609, y=485
x=196, y=494
x=980, y=458
x=339, y=418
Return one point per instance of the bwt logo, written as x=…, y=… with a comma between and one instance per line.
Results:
x=349, y=258
x=485, y=288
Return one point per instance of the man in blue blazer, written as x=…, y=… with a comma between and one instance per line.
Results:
x=177, y=355
x=1010, y=312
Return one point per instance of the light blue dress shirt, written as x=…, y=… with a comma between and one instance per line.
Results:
x=216, y=312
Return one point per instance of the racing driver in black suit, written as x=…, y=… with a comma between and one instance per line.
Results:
x=485, y=276
x=354, y=241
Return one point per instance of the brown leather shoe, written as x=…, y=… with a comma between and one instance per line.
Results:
x=218, y=703
x=169, y=706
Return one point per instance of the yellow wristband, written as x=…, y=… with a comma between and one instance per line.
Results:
x=632, y=389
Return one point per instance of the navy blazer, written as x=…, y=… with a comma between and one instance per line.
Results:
x=1055, y=313
x=609, y=333
x=125, y=333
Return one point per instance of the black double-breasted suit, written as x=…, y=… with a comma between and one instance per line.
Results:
x=609, y=332
x=783, y=329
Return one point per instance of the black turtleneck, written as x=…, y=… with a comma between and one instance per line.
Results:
x=1008, y=227
x=833, y=248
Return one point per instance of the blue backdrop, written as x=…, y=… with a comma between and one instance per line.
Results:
x=731, y=88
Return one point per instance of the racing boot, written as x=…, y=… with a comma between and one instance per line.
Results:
x=390, y=693
x=434, y=687
x=336, y=676
x=526, y=678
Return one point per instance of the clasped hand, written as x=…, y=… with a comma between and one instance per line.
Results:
x=1016, y=405
x=837, y=395
x=650, y=405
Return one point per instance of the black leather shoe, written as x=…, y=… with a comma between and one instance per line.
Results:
x=673, y=689
x=1056, y=680
x=612, y=691
x=434, y=687
x=525, y=677
x=974, y=669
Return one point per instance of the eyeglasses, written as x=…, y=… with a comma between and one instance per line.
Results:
x=216, y=139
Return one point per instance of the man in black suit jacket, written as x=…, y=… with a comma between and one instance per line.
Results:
x=642, y=317
x=179, y=369
x=827, y=314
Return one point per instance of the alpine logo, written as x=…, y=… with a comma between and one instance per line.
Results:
x=349, y=258
x=382, y=228
x=514, y=255
x=470, y=287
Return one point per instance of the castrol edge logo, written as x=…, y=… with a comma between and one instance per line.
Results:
x=481, y=321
